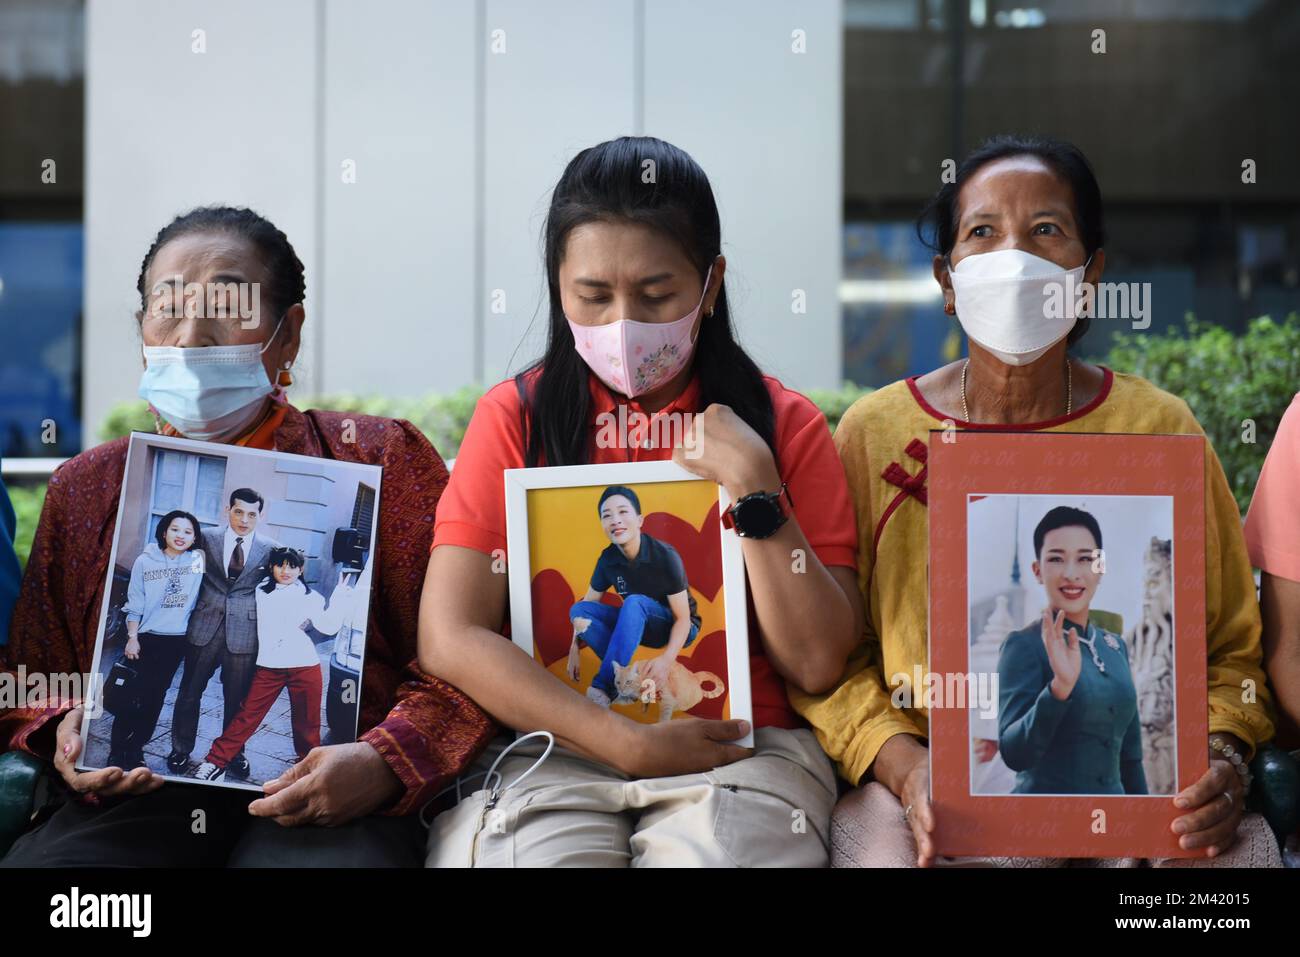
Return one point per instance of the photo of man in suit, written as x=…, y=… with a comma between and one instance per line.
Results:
x=223, y=627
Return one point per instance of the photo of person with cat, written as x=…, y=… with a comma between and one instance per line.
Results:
x=657, y=611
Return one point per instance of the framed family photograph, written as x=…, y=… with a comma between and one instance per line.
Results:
x=1067, y=684
x=233, y=630
x=625, y=585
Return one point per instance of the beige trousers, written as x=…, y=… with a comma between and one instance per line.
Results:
x=868, y=829
x=769, y=810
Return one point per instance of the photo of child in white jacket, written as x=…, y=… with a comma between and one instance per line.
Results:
x=164, y=587
x=286, y=658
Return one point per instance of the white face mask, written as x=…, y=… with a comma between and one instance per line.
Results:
x=1001, y=300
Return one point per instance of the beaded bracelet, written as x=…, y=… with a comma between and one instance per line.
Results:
x=1222, y=746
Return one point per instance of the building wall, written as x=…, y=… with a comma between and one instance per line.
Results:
x=458, y=118
x=168, y=129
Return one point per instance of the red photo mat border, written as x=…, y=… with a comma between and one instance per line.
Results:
x=1056, y=463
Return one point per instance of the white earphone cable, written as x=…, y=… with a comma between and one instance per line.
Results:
x=487, y=775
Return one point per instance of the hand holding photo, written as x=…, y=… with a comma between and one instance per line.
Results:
x=250, y=579
x=1054, y=609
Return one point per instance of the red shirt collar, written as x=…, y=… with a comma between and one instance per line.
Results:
x=605, y=400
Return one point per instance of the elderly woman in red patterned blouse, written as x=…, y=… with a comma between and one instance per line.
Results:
x=418, y=732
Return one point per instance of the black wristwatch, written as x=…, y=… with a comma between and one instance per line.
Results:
x=759, y=514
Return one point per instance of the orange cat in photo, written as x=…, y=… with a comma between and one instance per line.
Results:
x=684, y=691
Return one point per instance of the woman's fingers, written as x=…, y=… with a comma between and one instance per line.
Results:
x=920, y=815
x=1224, y=845
x=135, y=781
x=1055, y=635
x=96, y=781
x=922, y=820
x=67, y=745
x=924, y=844
x=1058, y=627
x=108, y=782
x=1050, y=637
x=1220, y=836
x=1216, y=779
x=1208, y=815
x=1204, y=817
x=1215, y=806
x=69, y=725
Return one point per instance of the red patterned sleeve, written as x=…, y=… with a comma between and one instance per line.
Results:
x=42, y=651
x=431, y=731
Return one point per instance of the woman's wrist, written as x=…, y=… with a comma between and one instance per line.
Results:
x=620, y=742
x=1230, y=748
x=760, y=475
x=896, y=760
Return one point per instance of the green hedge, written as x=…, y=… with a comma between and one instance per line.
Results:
x=835, y=402
x=27, y=501
x=1238, y=386
x=443, y=418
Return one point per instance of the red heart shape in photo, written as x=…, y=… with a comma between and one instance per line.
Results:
x=700, y=548
x=552, y=633
x=709, y=653
x=552, y=599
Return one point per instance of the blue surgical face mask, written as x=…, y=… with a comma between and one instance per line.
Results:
x=206, y=391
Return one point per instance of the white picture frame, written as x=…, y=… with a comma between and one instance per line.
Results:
x=519, y=482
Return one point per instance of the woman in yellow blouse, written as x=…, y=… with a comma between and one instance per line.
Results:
x=1020, y=213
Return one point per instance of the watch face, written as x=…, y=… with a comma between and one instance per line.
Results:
x=757, y=517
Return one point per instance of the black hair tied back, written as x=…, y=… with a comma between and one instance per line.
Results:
x=937, y=225
x=607, y=182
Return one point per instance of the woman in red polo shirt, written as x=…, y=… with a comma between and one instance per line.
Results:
x=617, y=792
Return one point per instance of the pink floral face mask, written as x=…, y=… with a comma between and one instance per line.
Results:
x=634, y=358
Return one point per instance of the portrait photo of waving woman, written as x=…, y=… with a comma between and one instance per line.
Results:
x=1068, y=718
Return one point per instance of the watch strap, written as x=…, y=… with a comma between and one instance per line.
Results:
x=786, y=510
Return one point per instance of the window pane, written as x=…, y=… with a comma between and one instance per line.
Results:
x=207, y=496
x=1186, y=92
x=42, y=117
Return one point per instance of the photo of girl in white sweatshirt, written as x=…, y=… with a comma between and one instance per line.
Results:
x=164, y=587
x=286, y=658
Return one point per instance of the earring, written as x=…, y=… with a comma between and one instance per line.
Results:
x=949, y=308
x=285, y=378
x=709, y=314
